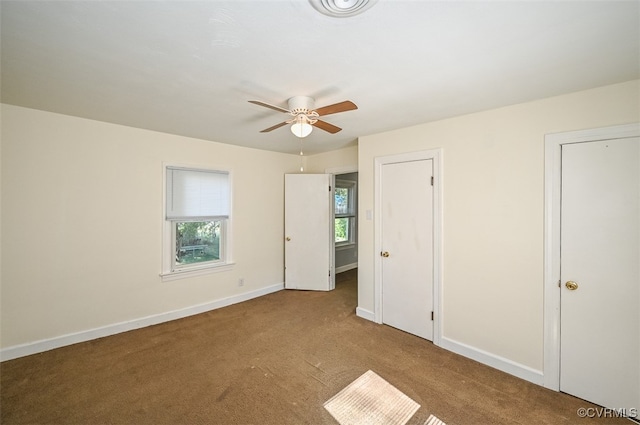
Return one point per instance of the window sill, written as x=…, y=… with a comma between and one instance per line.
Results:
x=183, y=274
x=343, y=246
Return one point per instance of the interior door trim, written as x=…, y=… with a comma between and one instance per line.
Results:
x=436, y=156
x=346, y=169
x=552, y=204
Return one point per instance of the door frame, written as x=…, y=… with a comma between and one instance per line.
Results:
x=334, y=171
x=436, y=156
x=552, y=205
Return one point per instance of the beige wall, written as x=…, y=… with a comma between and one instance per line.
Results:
x=341, y=158
x=82, y=223
x=493, y=194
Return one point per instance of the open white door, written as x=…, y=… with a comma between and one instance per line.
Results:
x=308, y=232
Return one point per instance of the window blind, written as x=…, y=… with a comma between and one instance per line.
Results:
x=197, y=194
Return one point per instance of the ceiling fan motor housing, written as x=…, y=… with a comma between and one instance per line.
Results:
x=301, y=105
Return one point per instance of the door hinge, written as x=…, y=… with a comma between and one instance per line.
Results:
x=329, y=188
x=559, y=284
x=432, y=315
x=431, y=180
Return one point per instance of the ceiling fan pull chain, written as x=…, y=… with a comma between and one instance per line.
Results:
x=301, y=158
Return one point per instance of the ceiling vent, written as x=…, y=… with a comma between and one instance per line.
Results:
x=342, y=8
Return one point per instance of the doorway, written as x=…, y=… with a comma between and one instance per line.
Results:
x=345, y=224
x=321, y=228
x=592, y=281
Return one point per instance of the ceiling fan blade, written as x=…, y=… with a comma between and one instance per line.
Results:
x=266, y=105
x=347, y=105
x=323, y=125
x=266, y=130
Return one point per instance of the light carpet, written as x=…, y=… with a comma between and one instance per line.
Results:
x=371, y=400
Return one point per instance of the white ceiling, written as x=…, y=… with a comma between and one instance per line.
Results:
x=190, y=67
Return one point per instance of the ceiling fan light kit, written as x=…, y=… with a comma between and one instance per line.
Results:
x=301, y=108
x=342, y=8
x=301, y=127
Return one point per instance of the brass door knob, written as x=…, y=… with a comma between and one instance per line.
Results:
x=288, y=238
x=385, y=254
x=571, y=285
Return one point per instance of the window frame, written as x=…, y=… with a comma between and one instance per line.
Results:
x=172, y=271
x=350, y=214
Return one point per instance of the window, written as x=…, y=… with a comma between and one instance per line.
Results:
x=196, y=220
x=345, y=212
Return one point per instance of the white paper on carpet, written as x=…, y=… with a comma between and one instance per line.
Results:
x=432, y=420
x=371, y=400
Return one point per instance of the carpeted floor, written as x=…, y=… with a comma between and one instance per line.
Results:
x=273, y=360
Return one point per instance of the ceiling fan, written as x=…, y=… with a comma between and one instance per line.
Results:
x=305, y=115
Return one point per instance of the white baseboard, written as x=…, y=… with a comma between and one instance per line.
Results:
x=74, y=338
x=497, y=362
x=508, y=366
x=365, y=314
x=346, y=267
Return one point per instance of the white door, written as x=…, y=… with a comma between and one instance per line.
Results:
x=407, y=246
x=308, y=232
x=600, y=278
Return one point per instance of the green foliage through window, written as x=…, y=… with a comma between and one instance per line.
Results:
x=197, y=241
x=344, y=208
x=342, y=229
